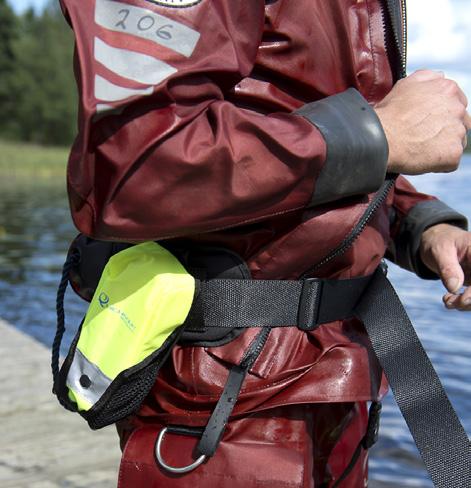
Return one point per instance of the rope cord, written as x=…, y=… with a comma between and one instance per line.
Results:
x=71, y=261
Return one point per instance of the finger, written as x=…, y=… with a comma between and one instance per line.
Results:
x=466, y=308
x=465, y=141
x=462, y=302
x=459, y=301
x=427, y=75
x=462, y=97
x=467, y=121
x=449, y=268
x=449, y=300
x=466, y=297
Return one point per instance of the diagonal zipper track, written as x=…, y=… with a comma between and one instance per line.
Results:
x=400, y=37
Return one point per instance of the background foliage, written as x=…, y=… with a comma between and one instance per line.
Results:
x=37, y=87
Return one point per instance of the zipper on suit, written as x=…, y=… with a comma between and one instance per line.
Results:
x=382, y=193
x=404, y=36
x=399, y=40
x=348, y=242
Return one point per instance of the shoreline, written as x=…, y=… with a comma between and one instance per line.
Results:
x=20, y=159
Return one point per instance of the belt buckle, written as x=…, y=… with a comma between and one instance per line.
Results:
x=308, y=312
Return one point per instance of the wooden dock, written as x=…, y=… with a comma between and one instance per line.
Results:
x=41, y=444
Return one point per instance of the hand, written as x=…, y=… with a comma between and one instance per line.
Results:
x=425, y=121
x=446, y=250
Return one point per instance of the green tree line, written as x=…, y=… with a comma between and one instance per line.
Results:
x=37, y=87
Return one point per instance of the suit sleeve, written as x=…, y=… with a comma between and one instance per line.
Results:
x=412, y=213
x=162, y=153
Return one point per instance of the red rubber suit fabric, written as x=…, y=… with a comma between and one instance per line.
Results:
x=206, y=150
x=300, y=446
x=214, y=142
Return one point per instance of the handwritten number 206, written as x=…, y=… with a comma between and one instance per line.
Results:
x=144, y=24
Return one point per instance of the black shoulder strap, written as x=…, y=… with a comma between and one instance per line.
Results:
x=434, y=425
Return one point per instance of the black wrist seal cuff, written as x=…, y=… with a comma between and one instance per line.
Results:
x=357, y=148
x=421, y=217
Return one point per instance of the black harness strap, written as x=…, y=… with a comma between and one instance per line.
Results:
x=217, y=422
x=274, y=303
x=368, y=441
x=434, y=425
x=438, y=434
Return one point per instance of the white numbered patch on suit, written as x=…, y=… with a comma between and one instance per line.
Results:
x=176, y=3
x=129, y=72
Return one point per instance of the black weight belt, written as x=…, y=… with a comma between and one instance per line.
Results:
x=435, y=427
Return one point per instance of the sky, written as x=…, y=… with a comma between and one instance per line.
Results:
x=439, y=34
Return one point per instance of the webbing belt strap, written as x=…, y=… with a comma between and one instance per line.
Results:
x=435, y=427
x=274, y=303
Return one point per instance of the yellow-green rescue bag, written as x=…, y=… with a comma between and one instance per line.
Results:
x=135, y=317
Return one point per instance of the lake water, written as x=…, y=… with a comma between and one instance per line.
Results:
x=35, y=229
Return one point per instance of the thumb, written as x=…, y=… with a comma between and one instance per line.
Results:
x=467, y=121
x=449, y=268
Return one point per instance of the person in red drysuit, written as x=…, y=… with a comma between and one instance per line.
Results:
x=264, y=127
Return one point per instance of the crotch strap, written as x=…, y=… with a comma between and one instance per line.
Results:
x=211, y=435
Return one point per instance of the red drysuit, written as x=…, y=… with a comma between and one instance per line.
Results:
x=200, y=122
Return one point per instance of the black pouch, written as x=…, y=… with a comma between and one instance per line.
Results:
x=122, y=396
x=203, y=262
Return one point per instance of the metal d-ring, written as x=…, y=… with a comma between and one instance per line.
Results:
x=183, y=469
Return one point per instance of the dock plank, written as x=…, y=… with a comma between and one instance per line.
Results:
x=42, y=445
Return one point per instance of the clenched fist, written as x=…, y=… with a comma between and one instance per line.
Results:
x=425, y=121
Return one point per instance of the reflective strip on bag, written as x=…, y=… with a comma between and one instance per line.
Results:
x=86, y=381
